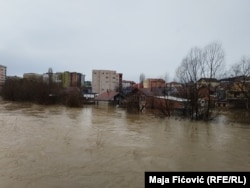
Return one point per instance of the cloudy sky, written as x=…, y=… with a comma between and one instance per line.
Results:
x=129, y=36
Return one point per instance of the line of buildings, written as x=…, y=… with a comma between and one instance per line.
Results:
x=65, y=79
x=224, y=91
x=102, y=80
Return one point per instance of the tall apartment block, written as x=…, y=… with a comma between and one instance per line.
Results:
x=106, y=80
x=2, y=75
x=72, y=79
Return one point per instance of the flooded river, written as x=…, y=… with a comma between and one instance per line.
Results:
x=102, y=146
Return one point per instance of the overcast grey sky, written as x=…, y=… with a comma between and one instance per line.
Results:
x=129, y=36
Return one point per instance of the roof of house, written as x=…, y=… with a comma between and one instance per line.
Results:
x=174, y=84
x=208, y=79
x=127, y=81
x=235, y=78
x=172, y=98
x=107, y=96
x=155, y=79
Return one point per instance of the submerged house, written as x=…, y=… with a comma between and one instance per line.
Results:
x=139, y=99
x=234, y=92
x=145, y=98
x=169, y=105
x=112, y=97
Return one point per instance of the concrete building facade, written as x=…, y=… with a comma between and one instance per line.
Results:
x=3, y=70
x=66, y=79
x=106, y=80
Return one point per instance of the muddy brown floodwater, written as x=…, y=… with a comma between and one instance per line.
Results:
x=102, y=146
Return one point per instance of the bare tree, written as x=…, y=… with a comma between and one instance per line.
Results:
x=189, y=72
x=142, y=78
x=50, y=74
x=242, y=68
x=213, y=58
x=200, y=63
x=166, y=77
x=241, y=74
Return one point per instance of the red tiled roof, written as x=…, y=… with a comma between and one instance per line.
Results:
x=106, y=96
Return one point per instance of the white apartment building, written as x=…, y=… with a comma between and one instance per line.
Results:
x=105, y=80
x=2, y=75
x=56, y=77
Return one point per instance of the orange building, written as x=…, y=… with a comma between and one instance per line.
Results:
x=154, y=83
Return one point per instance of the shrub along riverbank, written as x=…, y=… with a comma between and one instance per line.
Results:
x=40, y=93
